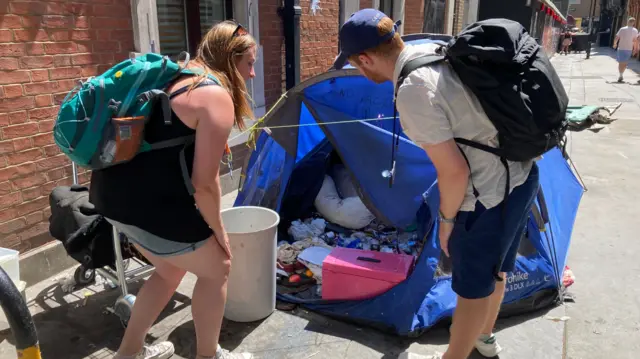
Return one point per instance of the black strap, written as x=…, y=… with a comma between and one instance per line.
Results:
x=185, y=170
x=414, y=64
x=180, y=91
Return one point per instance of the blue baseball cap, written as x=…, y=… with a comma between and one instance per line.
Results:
x=360, y=33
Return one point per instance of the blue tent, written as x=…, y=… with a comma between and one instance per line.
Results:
x=322, y=117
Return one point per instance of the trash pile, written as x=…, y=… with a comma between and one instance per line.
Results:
x=343, y=241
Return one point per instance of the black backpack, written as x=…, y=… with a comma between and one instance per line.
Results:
x=514, y=81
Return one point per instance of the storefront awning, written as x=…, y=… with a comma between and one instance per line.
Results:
x=551, y=9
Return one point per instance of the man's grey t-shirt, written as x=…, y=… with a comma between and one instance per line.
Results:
x=435, y=106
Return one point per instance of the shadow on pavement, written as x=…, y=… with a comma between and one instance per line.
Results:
x=72, y=329
x=391, y=345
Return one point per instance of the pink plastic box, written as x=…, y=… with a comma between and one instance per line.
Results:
x=354, y=274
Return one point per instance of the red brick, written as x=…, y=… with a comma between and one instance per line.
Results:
x=28, y=195
x=18, y=117
x=39, y=75
x=42, y=140
x=32, y=206
x=102, y=35
x=11, y=49
x=111, y=23
x=51, y=150
x=8, y=63
x=60, y=48
x=12, y=77
x=35, y=179
x=59, y=34
x=90, y=71
x=10, y=22
x=40, y=88
x=82, y=35
x=22, y=143
x=46, y=211
x=5, y=188
x=65, y=73
x=56, y=174
x=35, y=48
x=12, y=241
x=83, y=46
x=6, y=36
x=10, y=200
x=77, y=9
x=25, y=156
x=36, y=62
x=56, y=21
x=31, y=35
x=106, y=46
x=67, y=85
x=62, y=60
x=4, y=119
x=43, y=113
x=25, y=129
x=14, y=104
x=109, y=10
x=82, y=22
x=17, y=171
x=12, y=226
x=44, y=100
x=33, y=231
x=85, y=59
x=8, y=214
x=46, y=125
x=11, y=91
x=6, y=147
x=32, y=21
x=59, y=97
x=28, y=7
x=52, y=162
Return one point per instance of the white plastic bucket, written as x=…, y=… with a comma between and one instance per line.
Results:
x=10, y=262
x=251, y=290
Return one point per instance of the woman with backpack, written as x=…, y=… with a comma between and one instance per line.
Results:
x=147, y=199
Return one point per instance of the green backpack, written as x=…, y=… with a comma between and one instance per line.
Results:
x=101, y=122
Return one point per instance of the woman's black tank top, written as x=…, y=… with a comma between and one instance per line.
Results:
x=149, y=192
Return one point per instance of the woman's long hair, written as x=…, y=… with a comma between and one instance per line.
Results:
x=218, y=51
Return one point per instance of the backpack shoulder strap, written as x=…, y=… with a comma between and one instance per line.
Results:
x=414, y=64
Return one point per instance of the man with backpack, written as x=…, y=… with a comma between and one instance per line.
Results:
x=486, y=179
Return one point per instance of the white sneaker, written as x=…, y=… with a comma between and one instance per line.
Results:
x=488, y=346
x=162, y=350
x=407, y=355
x=225, y=354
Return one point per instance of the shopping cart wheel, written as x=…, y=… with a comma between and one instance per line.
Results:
x=123, y=308
x=84, y=275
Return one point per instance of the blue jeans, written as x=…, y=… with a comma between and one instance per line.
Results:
x=623, y=55
x=482, y=238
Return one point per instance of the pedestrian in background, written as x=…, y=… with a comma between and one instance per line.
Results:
x=625, y=43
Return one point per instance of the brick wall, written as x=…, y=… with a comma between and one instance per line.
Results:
x=45, y=47
x=366, y=4
x=272, y=41
x=318, y=37
x=413, y=16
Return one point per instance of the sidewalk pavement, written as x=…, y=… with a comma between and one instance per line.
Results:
x=604, y=319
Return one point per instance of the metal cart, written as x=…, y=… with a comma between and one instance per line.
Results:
x=123, y=305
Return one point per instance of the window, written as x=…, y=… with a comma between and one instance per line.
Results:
x=386, y=6
x=182, y=23
x=172, y=26
x=434, y=20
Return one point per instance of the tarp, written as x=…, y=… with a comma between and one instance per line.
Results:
x=344, y=113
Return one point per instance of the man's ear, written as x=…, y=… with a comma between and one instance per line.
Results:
x=365, y=59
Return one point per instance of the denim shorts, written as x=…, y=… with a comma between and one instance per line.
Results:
x=623, y=55
x=483, y=237
x=153, y=244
